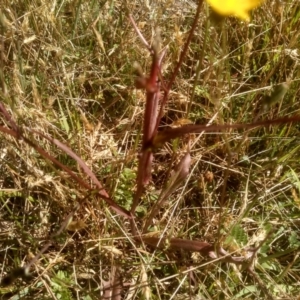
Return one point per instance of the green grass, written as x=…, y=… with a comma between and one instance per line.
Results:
x=67, y=70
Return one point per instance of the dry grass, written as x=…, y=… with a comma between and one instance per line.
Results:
x=67, y=71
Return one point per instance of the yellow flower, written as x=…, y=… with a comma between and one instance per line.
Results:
x=238, y=8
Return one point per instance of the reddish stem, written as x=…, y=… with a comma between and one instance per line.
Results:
x=181, y=58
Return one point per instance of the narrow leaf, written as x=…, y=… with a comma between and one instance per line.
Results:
x=17, y=133
x=178, y=176
x=172, y=133
x=120, y=210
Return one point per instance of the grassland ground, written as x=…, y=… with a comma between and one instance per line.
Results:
x=67, y=70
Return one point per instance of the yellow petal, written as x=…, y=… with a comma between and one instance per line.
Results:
x=239, y=8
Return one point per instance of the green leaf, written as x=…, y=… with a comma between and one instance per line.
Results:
x=239, y=235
